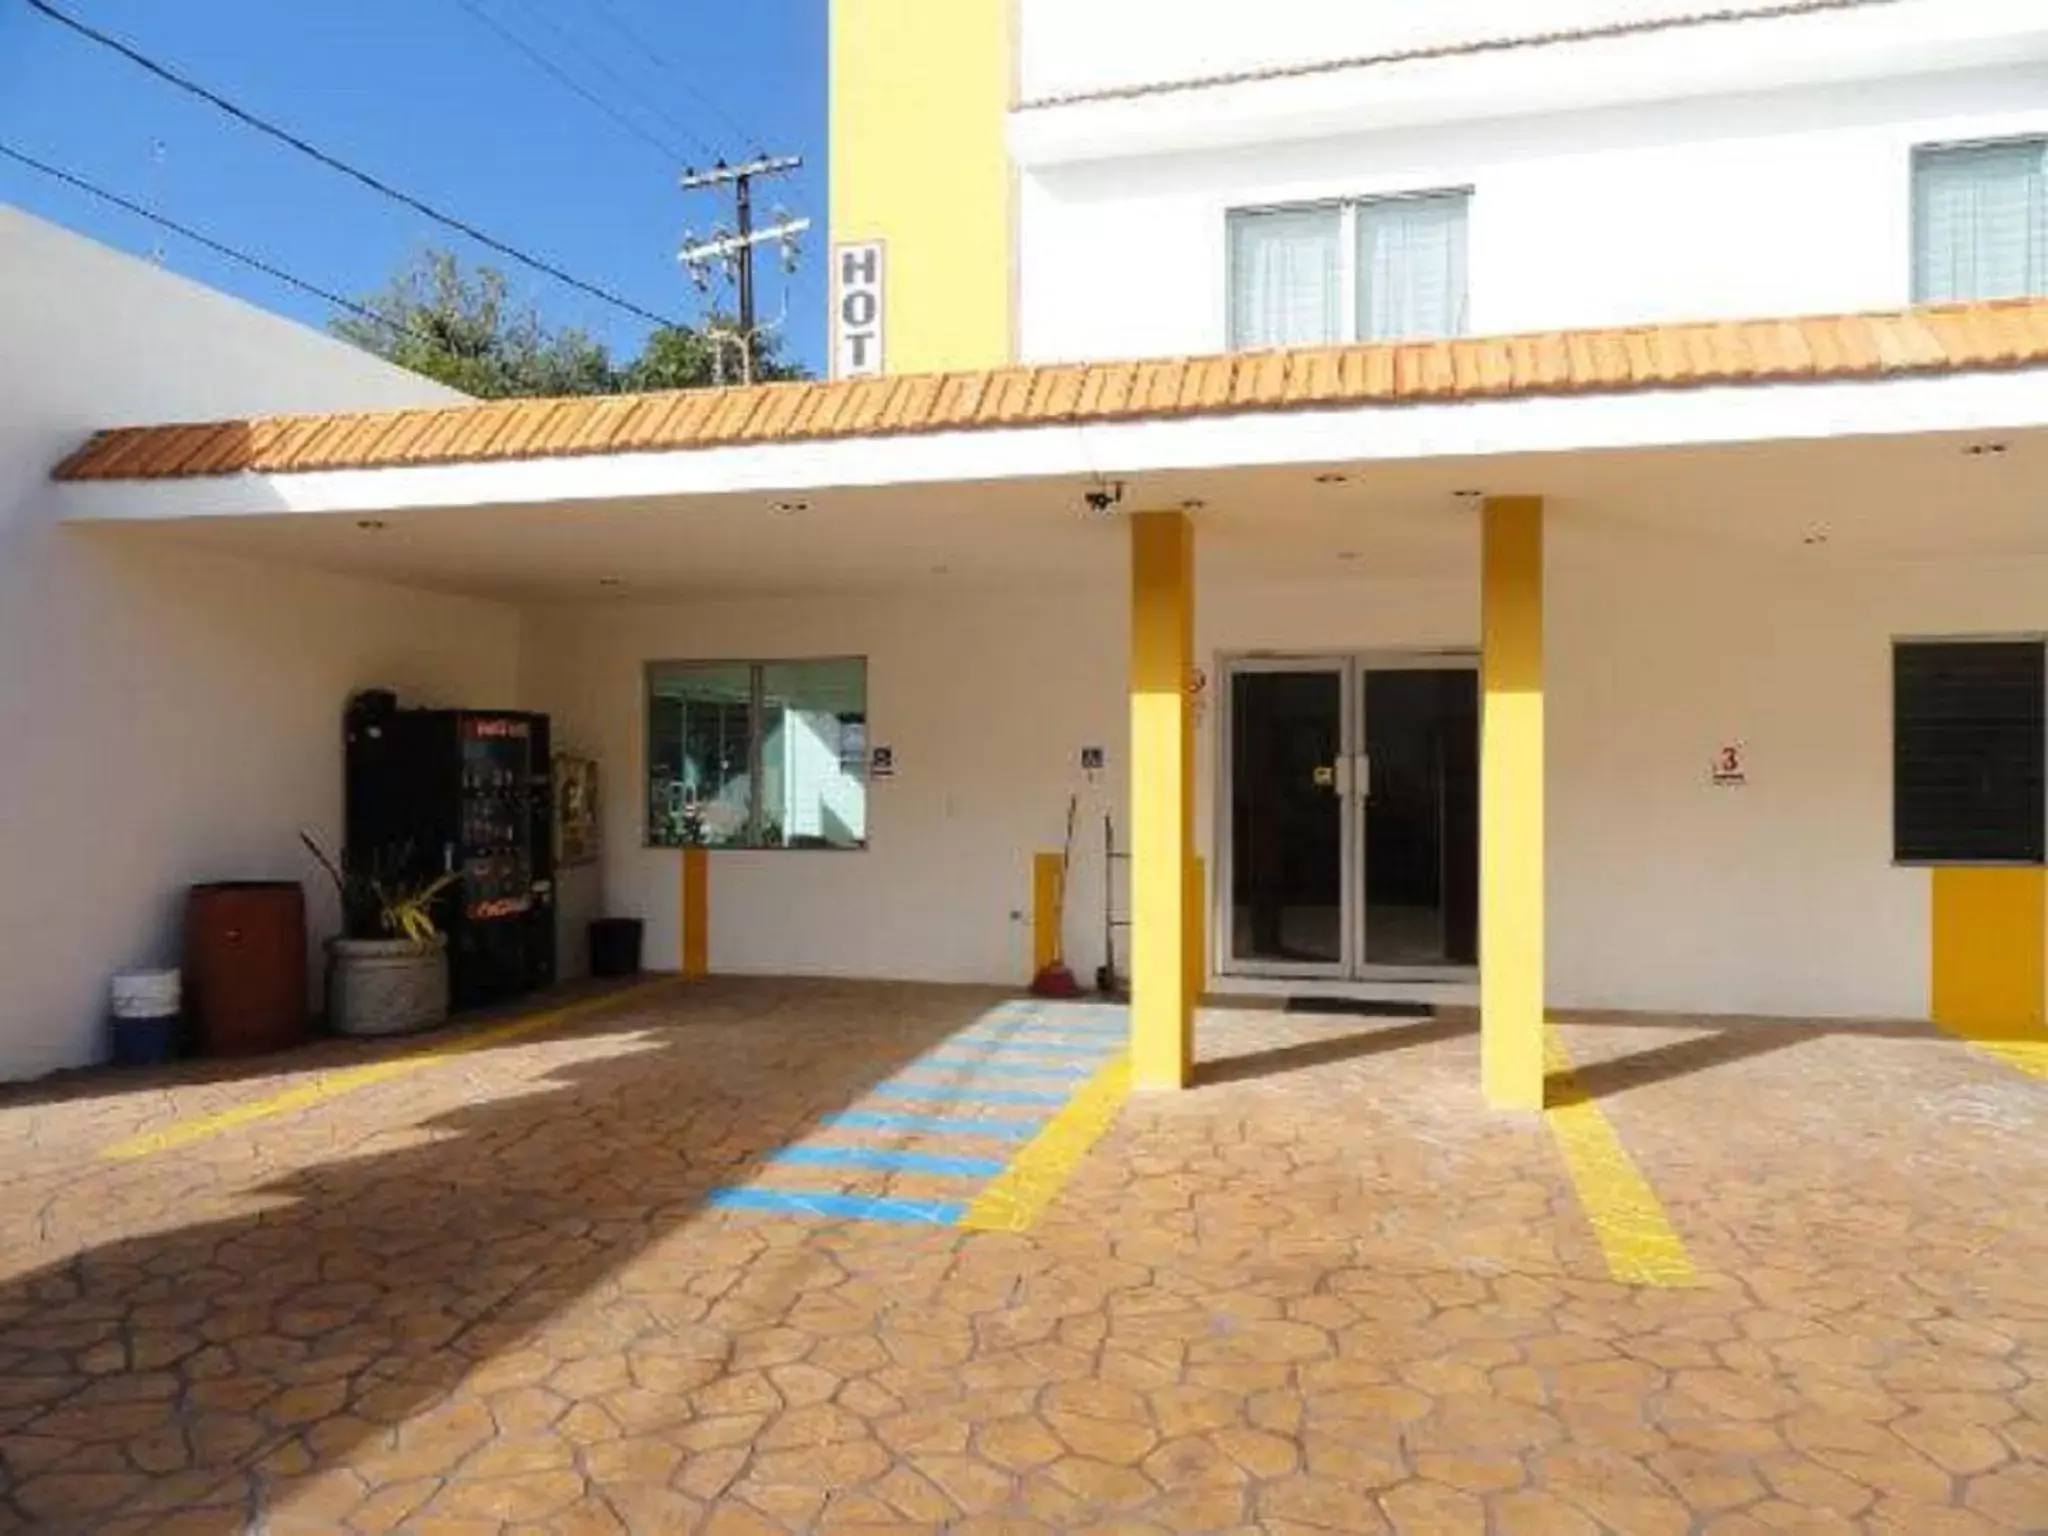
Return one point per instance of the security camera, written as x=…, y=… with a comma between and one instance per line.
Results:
x=1101, y=498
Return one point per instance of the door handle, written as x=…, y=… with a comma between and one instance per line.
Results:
x=1340, y=777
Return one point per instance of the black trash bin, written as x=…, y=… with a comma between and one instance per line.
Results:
x=615, y=946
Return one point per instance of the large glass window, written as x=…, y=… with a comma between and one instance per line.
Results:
x=1382, y=269
x=1980, y=222
x=757, y=754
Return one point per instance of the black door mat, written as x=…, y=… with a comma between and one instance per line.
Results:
x=1361, y=1007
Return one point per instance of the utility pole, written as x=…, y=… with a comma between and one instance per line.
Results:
x=736, y=247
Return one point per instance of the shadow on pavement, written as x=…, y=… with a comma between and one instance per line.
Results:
x=213, y=1369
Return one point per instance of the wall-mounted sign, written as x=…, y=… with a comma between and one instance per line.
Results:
x=1731, y=765
x=576, y=807
x=857, y=310
x=882, y=763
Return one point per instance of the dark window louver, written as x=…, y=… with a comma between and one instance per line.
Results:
x=1968, y=751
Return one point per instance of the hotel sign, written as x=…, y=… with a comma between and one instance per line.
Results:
x=857, y=310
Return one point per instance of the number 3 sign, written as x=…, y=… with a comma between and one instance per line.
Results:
x=1731, y=765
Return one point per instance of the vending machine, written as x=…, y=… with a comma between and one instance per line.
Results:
x=468, y=792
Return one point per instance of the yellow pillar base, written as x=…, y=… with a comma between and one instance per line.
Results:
x=696, y=915
x=1511, y=804
x=1990, y=965
x=1165, y=893
x=1048, y=900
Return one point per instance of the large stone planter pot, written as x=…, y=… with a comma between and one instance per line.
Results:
x=386, y=986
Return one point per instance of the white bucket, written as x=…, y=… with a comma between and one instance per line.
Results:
x=146, y=994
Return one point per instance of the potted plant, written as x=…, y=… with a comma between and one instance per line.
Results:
x=387, y=972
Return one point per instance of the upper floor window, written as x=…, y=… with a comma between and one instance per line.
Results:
x=1384, y=269
x=1980, y=222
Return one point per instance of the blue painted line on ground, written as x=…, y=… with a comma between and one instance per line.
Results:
x=1025, y=1023
x=962, y=1093
x=889, y=1158
x=1006, y=1127
x=989, y=1066
x=1041, y=1045
x=818, y=1202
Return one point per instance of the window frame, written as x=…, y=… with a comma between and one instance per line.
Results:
x=756, y=669
x=1918, y=154
x=1347, y=207
x=2037, y=639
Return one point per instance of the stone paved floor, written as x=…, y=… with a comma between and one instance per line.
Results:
x=1323, y=1292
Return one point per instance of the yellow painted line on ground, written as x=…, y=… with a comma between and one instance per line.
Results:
x=1641, y=1245
x=1020, y=1194
x=332, y=1085
x=2023, y=1052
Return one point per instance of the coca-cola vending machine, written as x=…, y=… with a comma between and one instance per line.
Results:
x=461, y=790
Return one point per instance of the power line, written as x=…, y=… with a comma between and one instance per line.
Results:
x=610, y=12
x=220, y=247
x=314, y=152
x=644, y=103
x=667, y=150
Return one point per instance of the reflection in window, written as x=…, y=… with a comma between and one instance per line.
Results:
x=757, y=754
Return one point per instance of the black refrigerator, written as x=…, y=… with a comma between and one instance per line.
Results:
x=433, y=790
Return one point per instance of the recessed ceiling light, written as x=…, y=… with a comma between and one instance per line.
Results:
x=1986, y=450
x=789, y=508
x=1814, y=536
x=1347, y=554
x=1193, y=504
x=611, y=581
x=1332, y=478
x=372, y=524
x=1468, y=495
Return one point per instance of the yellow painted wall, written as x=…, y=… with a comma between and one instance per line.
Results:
x=920, y=92
x=1990, y=951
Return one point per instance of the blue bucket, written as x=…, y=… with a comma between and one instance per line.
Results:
x=146, y=1009
x=145, y=1042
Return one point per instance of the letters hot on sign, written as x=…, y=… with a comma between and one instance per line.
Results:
x=857, y=310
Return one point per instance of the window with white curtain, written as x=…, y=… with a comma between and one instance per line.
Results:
x=1411, y=267
x=1285, y=288
x=1378, y=269
x=1980, y=222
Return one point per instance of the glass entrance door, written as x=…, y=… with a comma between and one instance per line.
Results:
x=1418, y=783
x=1290, y=823
x=1351, y=789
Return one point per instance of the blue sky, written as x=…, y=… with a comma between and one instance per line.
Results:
x=424, y=95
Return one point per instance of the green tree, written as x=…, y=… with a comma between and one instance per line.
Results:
x=680, y=357
x=463, y=329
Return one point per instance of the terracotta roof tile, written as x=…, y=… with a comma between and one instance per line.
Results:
x=1936, y=340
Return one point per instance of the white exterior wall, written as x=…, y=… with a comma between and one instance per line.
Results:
x=169, y=717
x=1666, y=892
x=1790, y=201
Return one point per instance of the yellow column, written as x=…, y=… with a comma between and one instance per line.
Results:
x=1511, y=803
x=1164, y=892
x=696, y=915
